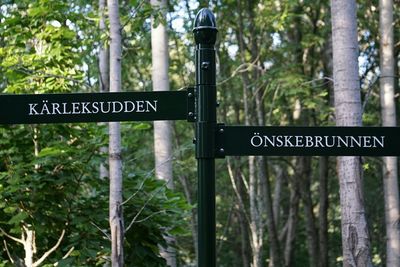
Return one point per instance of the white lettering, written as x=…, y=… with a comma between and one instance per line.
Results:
x=95, y=106
x=32, y=110
x=75, y=108
x=287, y=141
x=326, y=141
x=376, y=140
x=318, y=140
x=65, y=109
x=309, y=141
x=85, y=109
x=279, y=141
x=126, y=103
x=140, y=106
x=271, y=142
x=114, y=109
x=299, y=141
x=367, y=141
x=256, y=138
x=148, y=104
x=345, y=143
x=45, y=108
x=102, y=107
x=55, y=107
x=353, y=140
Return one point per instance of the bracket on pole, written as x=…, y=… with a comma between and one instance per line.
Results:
x=191, y=106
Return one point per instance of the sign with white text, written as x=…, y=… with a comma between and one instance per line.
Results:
x=93, y=107
x=307, y=141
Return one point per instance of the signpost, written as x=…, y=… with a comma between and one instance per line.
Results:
x=205, y=35
x=211, y=139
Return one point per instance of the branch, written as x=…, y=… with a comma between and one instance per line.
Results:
x=8, y=252
x=236, y=190
x=66, y=255
x=146, y=218
x=245, y=67
x=144, y=206
x=368, y=94
x=47, y=253
x=101, y=230
x=11, y=237
x=145, y=179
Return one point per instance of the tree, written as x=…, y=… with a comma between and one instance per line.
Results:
x=162, y=129
x=388, y=111
x=104, y=77
x=355, y=236
x=116, y=219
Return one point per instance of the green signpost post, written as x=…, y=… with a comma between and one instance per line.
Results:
x=212, y=140
x=205, y=35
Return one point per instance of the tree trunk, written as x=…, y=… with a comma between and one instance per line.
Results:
x=162, y=129
x=292, y=223
x=28, y=236
x=388, y=110
x=355, y=236
x=104, y=78
x=323, y=212
x=304, y=176
x=115, y=213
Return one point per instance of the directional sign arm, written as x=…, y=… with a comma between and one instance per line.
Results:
x=307, y=141
x=96, y=107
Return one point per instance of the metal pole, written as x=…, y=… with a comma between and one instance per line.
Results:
x=205, y=33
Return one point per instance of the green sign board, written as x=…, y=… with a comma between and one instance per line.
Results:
x=307, y=141
x=95, y=107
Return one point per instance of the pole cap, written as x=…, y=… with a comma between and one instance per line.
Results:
x=205, y=27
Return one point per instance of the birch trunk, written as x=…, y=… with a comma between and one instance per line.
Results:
x=115, y=213
x=355, y=236
x=104, y=78
x=162, y=129
x=388, y=110
x=28, y=236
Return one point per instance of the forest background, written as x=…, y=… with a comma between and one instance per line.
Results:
x=274, y=61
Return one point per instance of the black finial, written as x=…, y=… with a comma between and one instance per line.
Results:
x=205, y=27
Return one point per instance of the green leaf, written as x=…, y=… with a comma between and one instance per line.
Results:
x=50, y=151
x=142, y=126
x=16, y=219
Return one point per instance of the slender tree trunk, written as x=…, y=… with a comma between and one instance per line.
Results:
x=323, y=212
x=355, y=236
x=243, y=218
x=292, y=223
x=264, y=197
x=304, y=176
x=193, y=221
x=104, y=78
x=115, y=162
x=388, y=110
x=244, y=237
x=162, y=129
